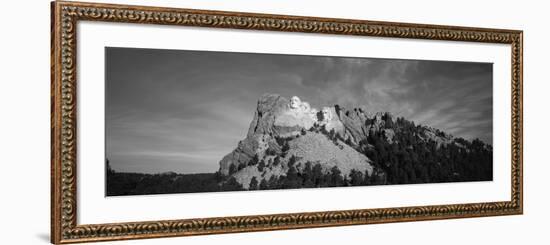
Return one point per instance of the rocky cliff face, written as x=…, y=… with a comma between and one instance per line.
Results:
x=289, y=132
x=261, y=133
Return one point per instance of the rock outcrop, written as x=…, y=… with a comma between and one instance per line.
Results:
x=283, y=129
x=306, y=132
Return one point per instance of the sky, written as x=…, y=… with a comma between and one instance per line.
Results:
x=182, y=111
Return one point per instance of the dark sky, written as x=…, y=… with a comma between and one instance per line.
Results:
x=182, y=111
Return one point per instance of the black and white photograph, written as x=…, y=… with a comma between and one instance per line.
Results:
x=190, y=121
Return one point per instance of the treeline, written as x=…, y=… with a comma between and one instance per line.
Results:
x=313, y=176
x=310, y=176
x=122, y=184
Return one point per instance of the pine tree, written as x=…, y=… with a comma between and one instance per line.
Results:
x=263, y=185
x=292, y=161
x=356, y=178
x=367, y=180
x=317, y=175
x=276, y=161
x=336, y=178
x=253, y=184
x=261, y=165
x=254, y=160
x=232, y=169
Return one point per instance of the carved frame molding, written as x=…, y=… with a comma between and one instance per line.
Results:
x=66, y=15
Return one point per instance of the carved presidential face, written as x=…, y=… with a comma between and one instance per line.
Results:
x=305, y=106
x=327, y=114
x=295, y=102
x=313, y=113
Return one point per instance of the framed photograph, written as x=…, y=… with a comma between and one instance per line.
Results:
x=176, y=122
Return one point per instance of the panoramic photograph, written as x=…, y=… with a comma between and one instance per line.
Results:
x=186, y=121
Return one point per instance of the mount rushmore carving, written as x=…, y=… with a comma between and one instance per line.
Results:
x=300, y=114
x=280, y=119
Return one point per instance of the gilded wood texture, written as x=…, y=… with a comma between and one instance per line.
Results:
x=65, y=16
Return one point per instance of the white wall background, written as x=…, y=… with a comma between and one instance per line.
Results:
x=25, y=103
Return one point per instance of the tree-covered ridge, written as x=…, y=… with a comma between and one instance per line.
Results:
x=413, y=156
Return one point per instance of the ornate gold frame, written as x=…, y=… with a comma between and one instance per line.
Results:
x=65, y=15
